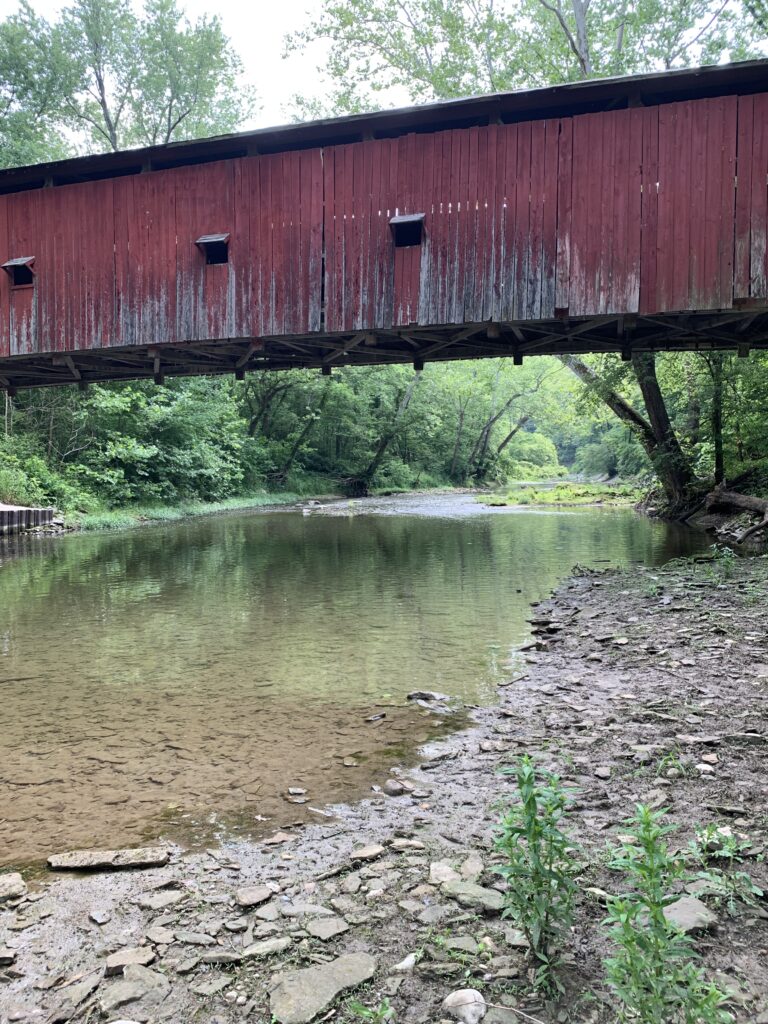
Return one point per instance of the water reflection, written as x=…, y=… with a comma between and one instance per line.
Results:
x=155, y=674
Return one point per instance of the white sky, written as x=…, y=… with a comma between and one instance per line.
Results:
x=256, y=29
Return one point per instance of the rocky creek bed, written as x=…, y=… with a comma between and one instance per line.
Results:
x=639, y=686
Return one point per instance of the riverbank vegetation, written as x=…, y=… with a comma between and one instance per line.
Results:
x=106, y=75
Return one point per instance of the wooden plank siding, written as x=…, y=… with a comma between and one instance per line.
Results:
x=641, y=210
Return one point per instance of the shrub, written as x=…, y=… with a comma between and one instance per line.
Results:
x=654, y=973
x=539, y=867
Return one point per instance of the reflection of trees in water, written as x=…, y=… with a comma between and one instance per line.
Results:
x=351, y=584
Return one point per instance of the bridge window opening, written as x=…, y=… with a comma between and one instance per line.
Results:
x=407, y=229
x=20, y=271
x=215, y=248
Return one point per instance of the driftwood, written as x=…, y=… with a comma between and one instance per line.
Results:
x=721, y=500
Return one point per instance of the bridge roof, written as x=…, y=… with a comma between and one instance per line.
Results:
x=563, y=100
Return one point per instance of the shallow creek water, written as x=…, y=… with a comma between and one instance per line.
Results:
x=176, y=680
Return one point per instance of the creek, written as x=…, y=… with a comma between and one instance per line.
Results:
x=176, y=680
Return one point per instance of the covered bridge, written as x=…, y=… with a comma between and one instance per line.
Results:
x=623, y=214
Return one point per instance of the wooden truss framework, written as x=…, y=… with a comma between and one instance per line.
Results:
x=739, y=331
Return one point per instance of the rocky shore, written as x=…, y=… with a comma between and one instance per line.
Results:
x=640, y=686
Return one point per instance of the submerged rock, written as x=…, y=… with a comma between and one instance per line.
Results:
x=298, y=996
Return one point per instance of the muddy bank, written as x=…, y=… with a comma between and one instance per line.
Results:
x=646, y=685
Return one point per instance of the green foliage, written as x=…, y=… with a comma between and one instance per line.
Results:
x=654, y=973
x=569, y=494
x=539, y=867
x=724, y=881
x=379, y=1014
x=722, y=564
x=112, y=77
x=445, y=48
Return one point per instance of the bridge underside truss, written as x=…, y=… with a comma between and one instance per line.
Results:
x=739, y=331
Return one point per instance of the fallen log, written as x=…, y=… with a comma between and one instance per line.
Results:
x=721, y=500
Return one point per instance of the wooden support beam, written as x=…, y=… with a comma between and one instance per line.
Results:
x=352, y=344
x=257, y=345
x=68, y=361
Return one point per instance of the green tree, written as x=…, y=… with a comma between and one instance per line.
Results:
x=33, y=74
x=114, y=78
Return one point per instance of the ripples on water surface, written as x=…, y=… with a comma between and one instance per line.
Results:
x=176, y=680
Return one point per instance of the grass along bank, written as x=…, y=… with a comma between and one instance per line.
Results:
x=566, y=494
x=128, y=518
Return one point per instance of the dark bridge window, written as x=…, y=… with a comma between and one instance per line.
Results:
x=20, y=271
x=407, y=229
x=215, y=247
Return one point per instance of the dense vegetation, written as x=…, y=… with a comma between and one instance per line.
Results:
x=102, y=76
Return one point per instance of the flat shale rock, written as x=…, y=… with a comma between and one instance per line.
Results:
x=138, y=983
x=94, y=860
x=327, y=927
x=12, y=886
x=160, y=900
x=7, y=956
x=268, y=947
x=476, y=897
x=298, y=996
x=117, y=962
x=253, y=895
x=690, y=915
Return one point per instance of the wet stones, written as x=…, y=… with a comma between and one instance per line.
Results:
x=94, y=860
x=298, y=996
x=394, y=788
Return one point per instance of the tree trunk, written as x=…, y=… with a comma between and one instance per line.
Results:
x=655, y=433
x=716, y=362
x=360, y=485
x=457, y=443
x=516, y=429
x=720, y=500
x=669, y=462
x=313, y=416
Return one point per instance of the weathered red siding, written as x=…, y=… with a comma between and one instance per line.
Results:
x=640, y=210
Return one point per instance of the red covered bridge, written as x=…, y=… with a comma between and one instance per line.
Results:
x=614, y=215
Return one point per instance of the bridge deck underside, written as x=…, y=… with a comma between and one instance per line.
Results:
x=739, y=331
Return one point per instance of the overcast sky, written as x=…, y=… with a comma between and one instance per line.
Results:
x=257, y=29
